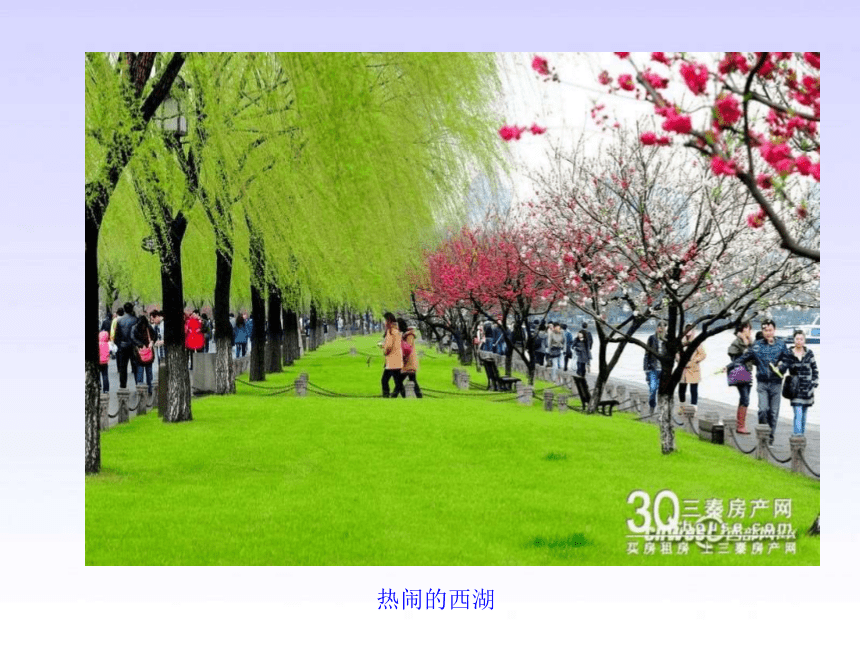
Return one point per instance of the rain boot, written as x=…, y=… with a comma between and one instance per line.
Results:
x=742, y=420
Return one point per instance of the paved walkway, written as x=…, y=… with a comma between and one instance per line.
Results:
x=784, y=428
x=780, y=446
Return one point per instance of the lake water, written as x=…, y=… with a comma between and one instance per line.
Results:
x=713, y=386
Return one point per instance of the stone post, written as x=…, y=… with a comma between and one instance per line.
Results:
x=797, y=443
x=526, y=394
x=463, y=382
x=621, y=394
x=547, y=400
x=729, y=427
x=455, y=376
x=301, y=387
x=353, y=351
x=562, y=403
x=762, y=434
x=104, y=402
x=304, y=377
x=410, y=389
x=122, y=399
x=141, y=399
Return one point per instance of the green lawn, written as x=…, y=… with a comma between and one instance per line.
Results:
x=260, y=479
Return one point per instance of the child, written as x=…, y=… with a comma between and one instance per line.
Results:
x=104, y=357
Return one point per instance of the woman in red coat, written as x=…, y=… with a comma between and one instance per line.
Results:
x=193, y=336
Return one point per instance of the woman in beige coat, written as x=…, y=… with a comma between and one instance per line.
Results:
x=393, y=356
x=692, y=372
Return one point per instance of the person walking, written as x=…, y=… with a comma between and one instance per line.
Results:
x=125, y=344
x=143, y=336
x=568, y=345
x=555, y=350
x=804, y=374
x=692, y=374
x=742, y=342
x=206, y=329
x=590, y=340
x=651, y=363
x=580, y=350
x=241, y=336
x=393, y=352
x=540, y=344
x=767, y=354
x=193, y=336
x=156, y=322
x=410, y=362
x=104, y=358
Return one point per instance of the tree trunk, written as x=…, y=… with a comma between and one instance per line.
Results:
x=312, y=338
x=285, y=342
x=258, y=336
x=224, y=376
x=273, y=335
x=291, y=335
x=667, y=430
x=257, y=371
x=92, y=414
x=173, y=305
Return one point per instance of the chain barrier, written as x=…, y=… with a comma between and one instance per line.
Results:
x=261, y=387
x=324, y=392
x=775, y=458
x=738, y=445
x=484, y=394
x=284, y=391
x=513, y=398
x=808, y=467
x=114, y=415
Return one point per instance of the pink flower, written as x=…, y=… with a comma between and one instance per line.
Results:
x=695, y=76
x=657, y=82
x=728, y=110
x=733, y=61
x=767, y=68
x=648, y=138
x=756, y=220
x=815, y=171
x=625, y=82
x=720, y=166
x=536, y=129
x=509, y=132
x=778, y=156
x=764, y=181
x=622, y=54
x=804, y=165
x=664, y=141
x=802, y=212
x=604, y=78
x=813, y=58
x=660, y=57
x=540, y=65
x=677, y=123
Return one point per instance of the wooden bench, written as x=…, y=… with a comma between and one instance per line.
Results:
x=494, y=380
x=585, y=396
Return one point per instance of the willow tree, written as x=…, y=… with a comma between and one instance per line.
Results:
x=120, y=101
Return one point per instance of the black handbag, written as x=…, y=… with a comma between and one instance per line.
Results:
x=789, y=387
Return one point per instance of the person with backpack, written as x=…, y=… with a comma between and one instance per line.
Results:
x=125, y=345
x=410, y=357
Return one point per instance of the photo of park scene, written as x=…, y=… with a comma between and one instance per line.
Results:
x=452, y=309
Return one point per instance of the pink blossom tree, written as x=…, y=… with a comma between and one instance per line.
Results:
x=641, y=230
x=754, y=116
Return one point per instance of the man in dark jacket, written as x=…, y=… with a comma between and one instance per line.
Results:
x=766, y=354
x=589, y=339
x=124, y=343
x=651, y=364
